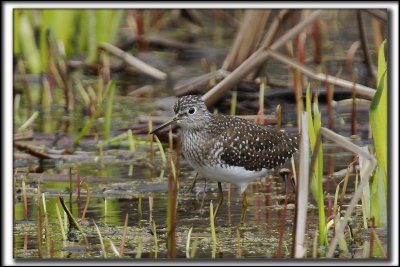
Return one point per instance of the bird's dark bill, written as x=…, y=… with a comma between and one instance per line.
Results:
x=164, y=125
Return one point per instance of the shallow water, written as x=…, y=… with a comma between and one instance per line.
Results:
x=114, y=194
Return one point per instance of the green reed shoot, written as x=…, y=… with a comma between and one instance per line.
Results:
x=103, y=248
x=125, y=139
x=95, y=26
x=28, y=122
x=85, y=185
x=188, y=243
x=46, y=223
x=378, y=120
x=16, y=29
x=193, y=251
x=85, y=97
x=151, y=203
x=103, y=25
x=64, y=236
x=139, y=249
x=61, y=22
x=173, y=170
x=124, y=232
x=155, y=238
x=28, y=46
x=132, y=148
x=346, y=180
x=114, y=249
x=39, y=222
x=336, y=199
x=71, y=218
x=316, y=182
x=160, y=147
x=108, y=115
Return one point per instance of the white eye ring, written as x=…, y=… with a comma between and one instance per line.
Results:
x=192, y=110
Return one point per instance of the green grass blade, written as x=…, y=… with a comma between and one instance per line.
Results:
x=103, y=25
x=162, y=153
x=311, y=135
x=318, y=175
x=16, y=36
x=311, y=132
x=378, y=113
x=378, y=120
x=378, y=199
x=62, y=23
x=316, y=182
x=28, y=47
x=107, y=119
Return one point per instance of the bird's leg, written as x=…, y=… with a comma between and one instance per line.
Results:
x=220, y=198
x=287, y=176
x=204, y=197
x=193, y=183
x=244, y=208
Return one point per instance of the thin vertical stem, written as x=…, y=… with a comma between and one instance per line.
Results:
x=151, y=140
x=25, y=196
x=353, y=107
x=122, y=245
x=278, y=112
x=39, y=223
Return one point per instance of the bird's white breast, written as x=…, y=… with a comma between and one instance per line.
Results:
x=229, y=174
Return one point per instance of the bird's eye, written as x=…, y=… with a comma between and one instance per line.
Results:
x=191, y=111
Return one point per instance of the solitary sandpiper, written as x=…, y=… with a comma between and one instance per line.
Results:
x=226, y=148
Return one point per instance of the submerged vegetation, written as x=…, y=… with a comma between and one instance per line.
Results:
x=87, y=87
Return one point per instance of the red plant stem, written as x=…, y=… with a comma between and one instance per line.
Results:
x=267, y=200
x=70, y=189
x=258, y=204
x=329, y=99
x=316, y=35
x=372, y=238
x=300, y=48
x=329, y=213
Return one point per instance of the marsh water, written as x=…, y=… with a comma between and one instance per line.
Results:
x=114, y=194
x=143, y=196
